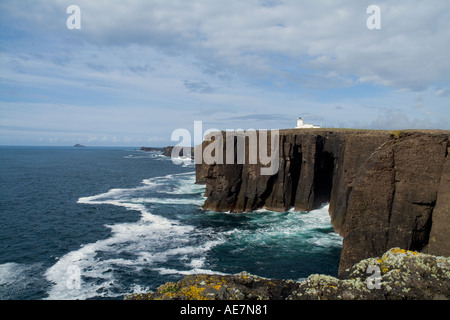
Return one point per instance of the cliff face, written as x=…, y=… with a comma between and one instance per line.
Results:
x=385, y=189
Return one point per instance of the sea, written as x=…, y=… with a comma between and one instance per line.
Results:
x=101, y=223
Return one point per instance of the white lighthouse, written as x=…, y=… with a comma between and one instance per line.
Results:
x=302, y=125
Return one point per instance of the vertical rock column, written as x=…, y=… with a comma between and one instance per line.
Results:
x=392, y=200
x=439, y=242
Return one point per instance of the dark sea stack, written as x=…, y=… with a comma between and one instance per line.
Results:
x=79, y=146
x=385, y=188
x=178, y=152
x=167, y=151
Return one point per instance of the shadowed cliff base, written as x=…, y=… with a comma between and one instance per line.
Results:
x=385, y=188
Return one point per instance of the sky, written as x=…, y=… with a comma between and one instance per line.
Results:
x=137, y=70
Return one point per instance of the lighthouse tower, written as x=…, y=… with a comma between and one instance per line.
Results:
x=301, y=125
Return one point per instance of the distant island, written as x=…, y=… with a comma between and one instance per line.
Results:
x=79, y=146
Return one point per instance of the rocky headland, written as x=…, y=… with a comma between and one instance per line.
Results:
x=386, y=189
x=167, y=151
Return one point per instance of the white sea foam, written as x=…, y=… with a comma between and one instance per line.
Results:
x=153, y=240
x=167, y=271
x=313, y=228
x=168, y=246
x=9, y=273
x=125, y=197
x=187, y=186
x=130, y=238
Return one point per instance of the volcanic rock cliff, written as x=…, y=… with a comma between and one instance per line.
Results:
x=385, y=188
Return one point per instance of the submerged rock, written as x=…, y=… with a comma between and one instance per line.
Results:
x=398, y=274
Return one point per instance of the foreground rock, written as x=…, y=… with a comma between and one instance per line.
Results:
x=242, y=286
x=398, y=274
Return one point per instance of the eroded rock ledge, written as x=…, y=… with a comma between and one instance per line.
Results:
x=402, y=275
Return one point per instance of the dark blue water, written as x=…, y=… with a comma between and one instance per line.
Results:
x=98, y=223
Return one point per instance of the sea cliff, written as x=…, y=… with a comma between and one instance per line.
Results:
x=389, y=198
x=385, y=188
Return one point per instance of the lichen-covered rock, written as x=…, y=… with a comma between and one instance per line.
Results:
x=242, y=286
x=398, y=274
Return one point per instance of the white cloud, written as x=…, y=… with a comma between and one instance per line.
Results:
x=143, y=68
x=410, y=51
x=443, y=92
x=401, y=120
